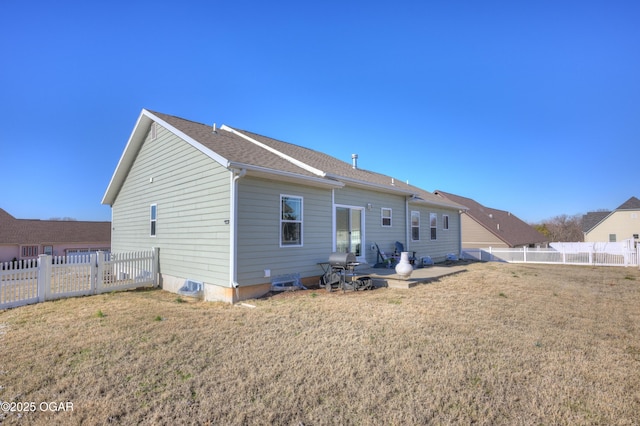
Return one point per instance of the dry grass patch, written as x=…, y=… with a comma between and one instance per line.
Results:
x=498, y=344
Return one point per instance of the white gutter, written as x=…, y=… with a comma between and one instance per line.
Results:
x=290, y=176
x=370, y=185
x=233, y=232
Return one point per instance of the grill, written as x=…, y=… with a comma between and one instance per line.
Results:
x=341, y=260
x=336, y=274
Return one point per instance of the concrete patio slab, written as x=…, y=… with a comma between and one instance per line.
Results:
x=383, y=277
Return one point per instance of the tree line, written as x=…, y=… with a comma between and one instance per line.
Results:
x=562, y=228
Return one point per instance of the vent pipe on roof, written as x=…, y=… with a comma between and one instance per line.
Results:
x=354, y=161
x=214, y=128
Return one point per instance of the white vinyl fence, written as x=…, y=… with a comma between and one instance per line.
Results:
x=56, y=277
x=598, y=254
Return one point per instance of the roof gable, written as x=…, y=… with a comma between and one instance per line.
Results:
x=503, y=224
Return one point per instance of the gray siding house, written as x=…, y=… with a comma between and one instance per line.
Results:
x=232, y=209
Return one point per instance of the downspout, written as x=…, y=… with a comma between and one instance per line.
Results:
x=460, y=234
x=407, y=225
x=233, y=232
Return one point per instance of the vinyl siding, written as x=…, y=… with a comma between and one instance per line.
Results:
x=447, y=241
x=374, y=233
x=259, y=230
x=192, y=196
x=385, y=237
x=475, y=235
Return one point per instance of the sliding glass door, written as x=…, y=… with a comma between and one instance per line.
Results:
x=349, y=230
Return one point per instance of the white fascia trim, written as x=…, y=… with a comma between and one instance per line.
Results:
x=134, y=139
x=419, y=200
x=294, y=177
x=197, y=145
x=364, y=184
x=282, y=155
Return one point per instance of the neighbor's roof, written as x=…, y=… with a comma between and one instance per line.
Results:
x=592, y=219
x=631, y=204
x=503, y=224
x=263, y=156
x=34, y=231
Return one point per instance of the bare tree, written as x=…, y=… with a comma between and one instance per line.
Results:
x=562, y=228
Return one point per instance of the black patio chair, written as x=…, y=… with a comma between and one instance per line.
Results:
x=400, y=249
x=382, y=260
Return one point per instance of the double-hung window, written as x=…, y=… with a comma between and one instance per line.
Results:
x=433, y=223
x=153, y=218
x=385, y=213
x=415, y=226
x=290, y=221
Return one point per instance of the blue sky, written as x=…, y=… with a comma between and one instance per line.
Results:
x=526, y=106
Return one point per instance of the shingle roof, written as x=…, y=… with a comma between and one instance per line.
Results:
x=631, y=204
x=591, y=219
x=342, y=170
x=32, y=231
x=236, y=146
x=231, y=146
x=503, y=224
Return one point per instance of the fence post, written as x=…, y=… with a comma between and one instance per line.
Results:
x=524, y=256
x=96, y=272
x=44, y=277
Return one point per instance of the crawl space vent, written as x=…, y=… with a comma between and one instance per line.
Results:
x=191, y=288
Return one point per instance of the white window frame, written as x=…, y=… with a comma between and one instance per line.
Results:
x=415, y=227
x=299, y=221
x=153, y=220
x=383, y=217
x=433, y=224
x=445, y=222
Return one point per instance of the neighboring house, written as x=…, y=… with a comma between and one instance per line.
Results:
x=486, y=227
x=621, y=224
x=22, y=239
x=232, y=209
